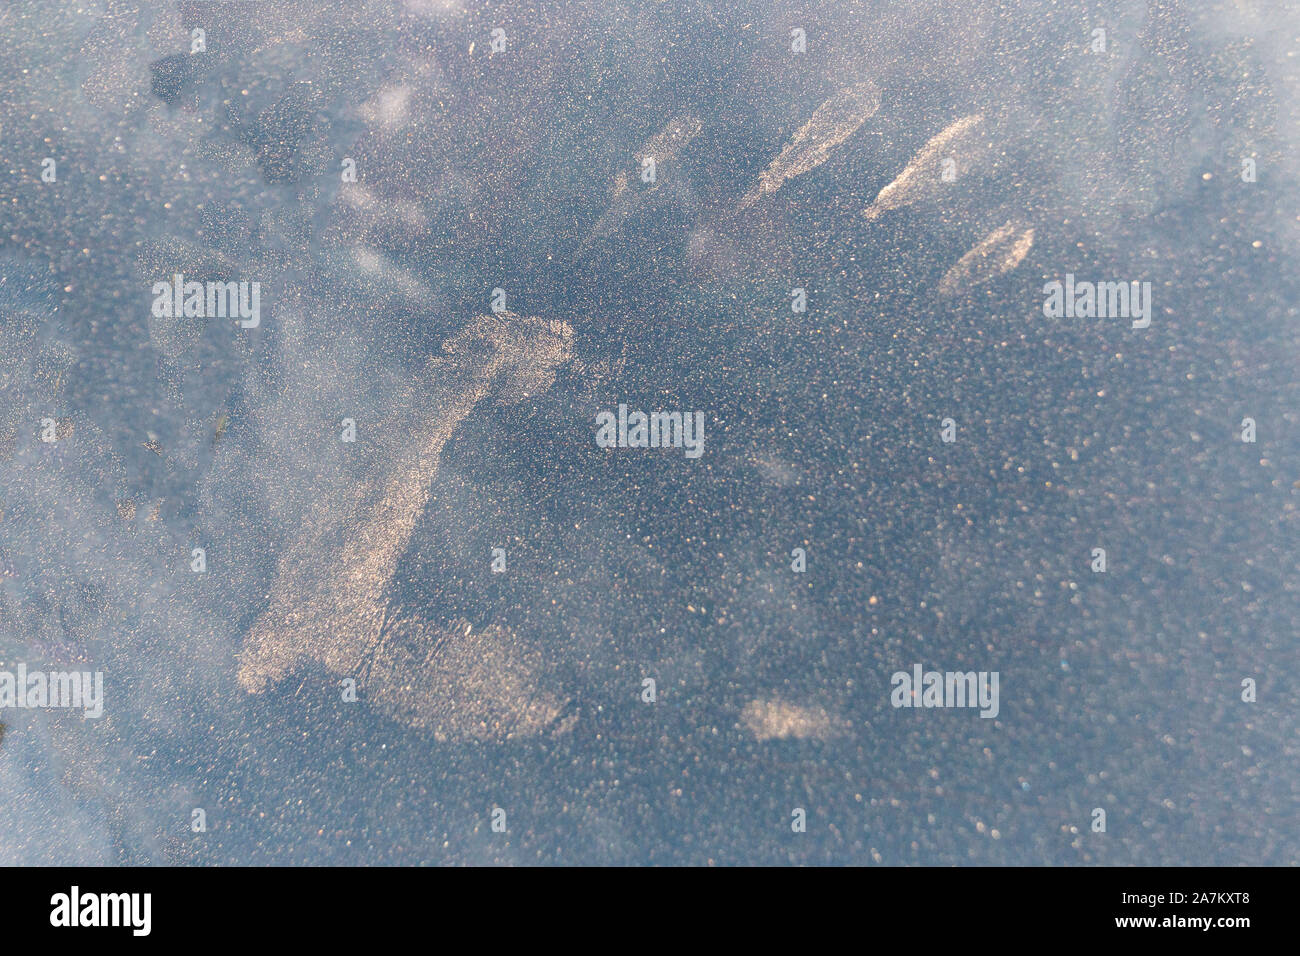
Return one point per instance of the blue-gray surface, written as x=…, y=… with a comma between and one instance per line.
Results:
x=481, y=166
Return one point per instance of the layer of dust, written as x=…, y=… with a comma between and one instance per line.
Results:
x=997, y=253
x=779, y=720
x=327, y=602
x=831, y=124
x=962, y=141
x=664, y=147
x=457, y=683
